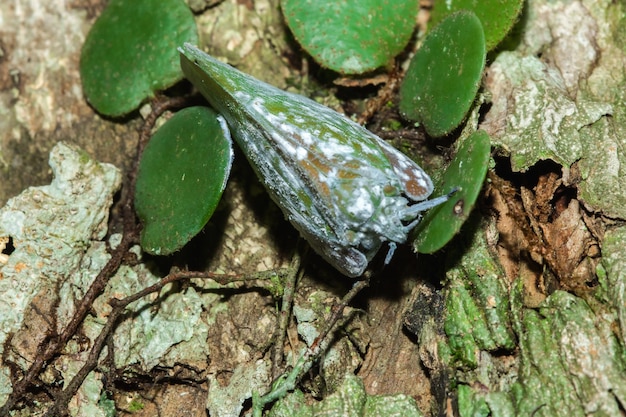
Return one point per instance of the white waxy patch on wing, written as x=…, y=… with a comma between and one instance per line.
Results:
x=285, y=145
x=307, y=139
x=301, y=153
x=362, y=205
x=331, y=148
x=242, y=96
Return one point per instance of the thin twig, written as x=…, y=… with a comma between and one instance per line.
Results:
x=287, y=382
x=384, y=96
x=119, y=306
x=46, y=352
x=285, y=312
x=337, y=310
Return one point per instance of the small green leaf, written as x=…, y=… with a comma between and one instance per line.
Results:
x=444, y=76
x=130, y=52
x=351, y=36
x=497, y=17
x=181, y=178
x=466, y=172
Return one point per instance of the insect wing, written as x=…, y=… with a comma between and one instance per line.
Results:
x=341, y=186
x=314, y=221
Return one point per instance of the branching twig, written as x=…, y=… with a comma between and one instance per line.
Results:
x=46, y=352
x=119, y=306
x=285, y=311
x=385, y=94
x=287, y=382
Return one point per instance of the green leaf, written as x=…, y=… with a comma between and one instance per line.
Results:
x=351, y=36
x=466, y=172
x=181, y=178
x=497, y=17
x=444, y=76
x=130, y=52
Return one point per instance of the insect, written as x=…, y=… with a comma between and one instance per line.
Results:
x=343, y=188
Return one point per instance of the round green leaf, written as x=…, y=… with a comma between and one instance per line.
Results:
x=497, y=17
x=466, y=173
x=444, y=75
x=130, y=52
x=182, y=174
x=351, y=36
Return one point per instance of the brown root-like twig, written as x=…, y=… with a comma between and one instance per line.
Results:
x=119, y=306
x=287, y=382
x=285, y=312
x=53, y=345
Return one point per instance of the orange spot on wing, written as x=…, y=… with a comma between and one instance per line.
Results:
x=414, y=188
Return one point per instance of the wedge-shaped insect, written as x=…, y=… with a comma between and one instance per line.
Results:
x=344, y=189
